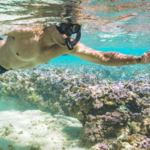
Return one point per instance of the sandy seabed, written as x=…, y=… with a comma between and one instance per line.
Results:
x=32, y=128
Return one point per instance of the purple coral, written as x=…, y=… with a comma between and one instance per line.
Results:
x=102, y=146
x=145, y=144
x=117, y=117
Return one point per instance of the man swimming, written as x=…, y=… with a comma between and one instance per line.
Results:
x=25, y=48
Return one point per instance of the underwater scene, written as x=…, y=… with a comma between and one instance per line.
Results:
x=74, y=104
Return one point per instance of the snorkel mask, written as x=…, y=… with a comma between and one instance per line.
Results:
x=69, y=29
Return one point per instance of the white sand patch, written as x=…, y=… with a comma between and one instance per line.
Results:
x=22, y=130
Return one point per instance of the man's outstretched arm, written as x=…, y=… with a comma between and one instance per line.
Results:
x=108, y=58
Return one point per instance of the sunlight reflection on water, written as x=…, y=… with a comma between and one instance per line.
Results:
x=107, y=21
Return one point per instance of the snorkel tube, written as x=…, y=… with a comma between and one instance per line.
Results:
x=69, y=29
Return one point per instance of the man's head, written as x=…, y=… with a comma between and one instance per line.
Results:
x=67, y=29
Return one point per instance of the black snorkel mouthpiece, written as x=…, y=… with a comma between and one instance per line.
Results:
x=70, y=44
x=70, y=29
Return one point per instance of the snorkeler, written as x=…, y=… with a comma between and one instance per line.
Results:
x=25, y=48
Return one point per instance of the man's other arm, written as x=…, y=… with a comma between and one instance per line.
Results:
x=108, y=58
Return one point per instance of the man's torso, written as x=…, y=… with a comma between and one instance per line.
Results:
x=23, y=52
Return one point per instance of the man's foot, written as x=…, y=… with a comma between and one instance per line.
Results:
x=145, y=58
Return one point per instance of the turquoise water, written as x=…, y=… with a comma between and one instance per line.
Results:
x=72, y=104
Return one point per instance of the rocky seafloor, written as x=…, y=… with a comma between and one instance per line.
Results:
x=114, y=113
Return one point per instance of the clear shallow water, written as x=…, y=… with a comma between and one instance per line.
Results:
x=114, y=25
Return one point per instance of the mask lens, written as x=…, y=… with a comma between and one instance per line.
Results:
x=75, y=28
x=64, y=26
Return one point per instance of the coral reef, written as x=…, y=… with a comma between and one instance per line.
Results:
x=107, y=109
x=145, y=144
x=102, y=146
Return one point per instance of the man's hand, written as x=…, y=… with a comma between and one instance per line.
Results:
x=145, y=58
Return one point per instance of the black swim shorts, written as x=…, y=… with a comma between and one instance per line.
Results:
x=2, y=70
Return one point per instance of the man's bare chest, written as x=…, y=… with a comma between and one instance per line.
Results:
x=19, y=54
x=25, y=49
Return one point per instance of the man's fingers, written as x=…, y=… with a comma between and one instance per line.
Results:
x=146, y=58
x=65, y=36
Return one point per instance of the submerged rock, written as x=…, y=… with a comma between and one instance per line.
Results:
x=105, y=109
